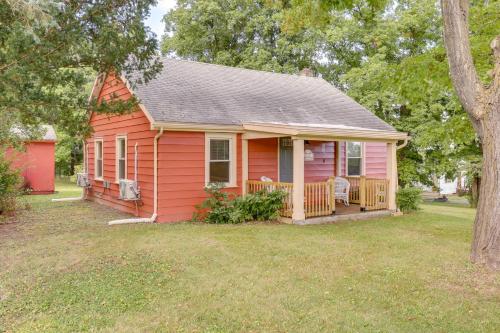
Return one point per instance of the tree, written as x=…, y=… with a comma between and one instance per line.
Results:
x=482, y=103
x=49, y=49
x=238, y=33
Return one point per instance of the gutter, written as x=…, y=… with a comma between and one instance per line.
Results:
x=404, y=143
x=153, y=217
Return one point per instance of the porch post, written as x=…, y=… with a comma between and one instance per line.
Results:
x=298, y=180
x=244, y=166
x=338, y=160
x=392, y=175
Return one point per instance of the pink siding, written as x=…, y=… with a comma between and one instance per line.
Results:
x=263, y=158
x=37, y=163
x=323, y=165
x=137, y=129
x=375, y=159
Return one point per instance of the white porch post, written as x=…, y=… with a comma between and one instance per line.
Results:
x=392, y=174
x=298, y=180
x=244, y=166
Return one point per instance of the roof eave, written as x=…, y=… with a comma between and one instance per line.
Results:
x=327, y=133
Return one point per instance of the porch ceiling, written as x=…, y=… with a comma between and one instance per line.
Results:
x=319, y=132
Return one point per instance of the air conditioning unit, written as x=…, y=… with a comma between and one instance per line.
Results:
x=129, y=190
x=82, y=179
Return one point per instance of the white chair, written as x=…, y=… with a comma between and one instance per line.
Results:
x=269, y=188
x=342, y=190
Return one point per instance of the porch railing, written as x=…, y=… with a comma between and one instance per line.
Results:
x=256, y=186
x=319, y=198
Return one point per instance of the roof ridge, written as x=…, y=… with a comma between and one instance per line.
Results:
x=244, y=69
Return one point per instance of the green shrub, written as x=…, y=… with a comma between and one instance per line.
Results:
x=10, y=183
x=223, y=208
x=409, y=199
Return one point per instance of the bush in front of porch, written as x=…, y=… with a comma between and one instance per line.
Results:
x=223, y=208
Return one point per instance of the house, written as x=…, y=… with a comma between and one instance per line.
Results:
x=37, y=161
x=199, y=123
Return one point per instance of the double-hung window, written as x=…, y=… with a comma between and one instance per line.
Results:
x=98, y=158
x=354, y=158
x=220, y=158
x=121, y=157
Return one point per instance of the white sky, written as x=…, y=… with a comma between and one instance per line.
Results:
x=154, y=21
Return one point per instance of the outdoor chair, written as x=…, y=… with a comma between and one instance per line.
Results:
x=342, y=190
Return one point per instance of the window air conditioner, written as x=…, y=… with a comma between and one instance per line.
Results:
x=128, y=190
x=82, y=179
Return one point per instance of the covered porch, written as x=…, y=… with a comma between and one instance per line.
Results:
x=310, y=162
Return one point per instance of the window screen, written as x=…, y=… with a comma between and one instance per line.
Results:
x=354, y=157
x=219, y=161
x=121, y=158
x=98, y=159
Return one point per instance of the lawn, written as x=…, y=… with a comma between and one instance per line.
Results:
x=62, y=269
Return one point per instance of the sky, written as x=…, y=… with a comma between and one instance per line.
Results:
x=154, y=21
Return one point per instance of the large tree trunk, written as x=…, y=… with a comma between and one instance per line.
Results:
x=486, y=241
x=482, y=103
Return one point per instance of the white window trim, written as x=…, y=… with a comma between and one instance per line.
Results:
x=117, y=154
x=96, y=140
x=362, y=157
x=232, y=156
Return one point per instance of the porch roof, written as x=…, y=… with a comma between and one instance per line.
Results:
x=321, y=131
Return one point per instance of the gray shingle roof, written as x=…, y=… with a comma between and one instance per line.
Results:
x=47, y=133
x=194, y=92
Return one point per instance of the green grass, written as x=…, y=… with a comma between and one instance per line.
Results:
x=62, y=269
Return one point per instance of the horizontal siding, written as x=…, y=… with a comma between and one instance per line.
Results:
x=181, y=174
x=323, y=165
x=137, y=128
x=263, y=159
x=376, y=158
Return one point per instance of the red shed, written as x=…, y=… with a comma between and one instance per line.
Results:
x=37, y=162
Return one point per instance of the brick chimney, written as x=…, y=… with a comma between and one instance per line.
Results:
x=306, y=72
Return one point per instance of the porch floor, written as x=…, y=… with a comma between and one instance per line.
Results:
x=341, y=209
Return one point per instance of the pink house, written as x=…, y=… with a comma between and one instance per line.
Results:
x=37, y=162
x=200, y=123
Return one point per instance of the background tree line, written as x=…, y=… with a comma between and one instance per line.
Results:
x=388, y=55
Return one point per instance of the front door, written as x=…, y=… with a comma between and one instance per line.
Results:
x=286, y=160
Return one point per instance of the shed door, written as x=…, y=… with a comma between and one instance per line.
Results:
x=286, y=160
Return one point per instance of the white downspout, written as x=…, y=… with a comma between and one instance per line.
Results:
x=151, y=219
x=85, y=163
x=403, y=144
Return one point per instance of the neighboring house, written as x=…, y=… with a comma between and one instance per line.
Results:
x=200, y=123
x=37, y=161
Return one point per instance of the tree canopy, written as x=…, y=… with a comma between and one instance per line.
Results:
x=50, y=50
x=386, y=54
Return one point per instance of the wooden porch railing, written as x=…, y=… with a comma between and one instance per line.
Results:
x=256, y=186
x=319, y=198
x=376, y=194
x=354, y=195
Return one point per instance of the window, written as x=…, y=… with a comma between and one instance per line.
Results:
x=354, y=158
x=98, y=153
x=220, y=152
x=121, y=157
